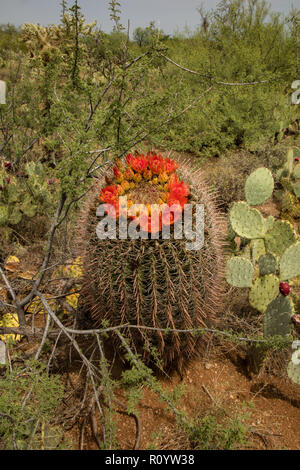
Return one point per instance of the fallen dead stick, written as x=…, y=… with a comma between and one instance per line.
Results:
x=24, y=330
x=94, y=426
x=137, y=423
x=81, y=440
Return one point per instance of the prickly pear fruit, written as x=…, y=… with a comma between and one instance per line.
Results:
x=284, y=288
x=296, y=319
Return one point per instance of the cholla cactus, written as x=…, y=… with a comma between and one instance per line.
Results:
x=23, y=194
x=53, y=42
x=271, y=258
x=153, y=282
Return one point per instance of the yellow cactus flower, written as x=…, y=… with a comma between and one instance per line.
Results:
x=125, y=185
x=163, y=177
x=137, y=177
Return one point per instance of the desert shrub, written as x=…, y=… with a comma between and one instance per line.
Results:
x=209, y=434
x=29, y=398
x=227, y=174
x=242, y=44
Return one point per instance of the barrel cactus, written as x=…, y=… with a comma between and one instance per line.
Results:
x=152, y=280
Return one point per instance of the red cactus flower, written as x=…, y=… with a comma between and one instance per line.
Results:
x=170, y=166
x=156, y=164
x=155, y=170
x=7, y=165
x=296, y=159
x=179, y=191
x=139, y=164
x=129, y=158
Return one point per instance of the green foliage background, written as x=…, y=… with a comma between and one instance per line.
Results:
x=73, y=88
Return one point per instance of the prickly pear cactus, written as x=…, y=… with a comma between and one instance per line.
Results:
x=245, y=221
x=239, y=272
x=274, y=256
x=277, y=319
x=158, y=282
x=280, y=237
x=268, y=264
x=290, y=262
x=263, y=290
x=259, y=186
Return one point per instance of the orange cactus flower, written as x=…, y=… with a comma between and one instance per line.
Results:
x=109, y=194
x=120, y=190
x=137, y=177
x=147, y=174
x=118, y=174
x=173, y=179
x=128, y=175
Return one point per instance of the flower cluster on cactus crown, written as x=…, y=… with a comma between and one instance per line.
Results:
x=140, y=172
